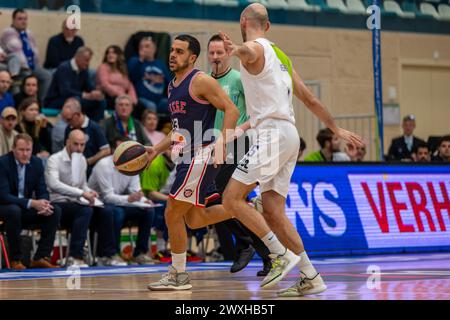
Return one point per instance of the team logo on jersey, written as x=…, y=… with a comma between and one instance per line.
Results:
x=188, y=193
x=284, y=68
x=177, y=107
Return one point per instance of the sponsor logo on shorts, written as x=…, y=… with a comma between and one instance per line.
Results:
x=188, y=193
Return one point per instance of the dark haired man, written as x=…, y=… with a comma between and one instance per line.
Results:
x=443, y=150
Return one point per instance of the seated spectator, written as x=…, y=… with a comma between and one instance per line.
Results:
x=97, y=146
x=38, y=127
x=6, y=99
x=7, y=132
x=8, y=63
x=443, y=150
x=62, y=47
x=66, y=181
x=28, y=89
x=329, y=144
x=71, y=80
x=150, y=77
x=24, y=201
x=121, y=192
x=355, y=154
x=421, y=153
x=150, y=121
x=18, y=41
x=59, y=128
x=112, y=77
x=122, y=124
x=401, y=147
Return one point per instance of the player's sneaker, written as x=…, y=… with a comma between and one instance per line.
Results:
x=172, y=281
x=281, y=266
x=304, y=286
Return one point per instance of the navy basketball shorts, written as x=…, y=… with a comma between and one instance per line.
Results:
x=194, y=182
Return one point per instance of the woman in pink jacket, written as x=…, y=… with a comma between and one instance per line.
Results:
x=112, y=76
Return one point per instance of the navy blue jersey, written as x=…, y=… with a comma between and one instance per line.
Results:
x=192, y=118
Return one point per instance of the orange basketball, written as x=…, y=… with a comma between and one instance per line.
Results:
x=130, y=158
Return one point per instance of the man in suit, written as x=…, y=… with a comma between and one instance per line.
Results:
x=21, y=176
x=402, y=147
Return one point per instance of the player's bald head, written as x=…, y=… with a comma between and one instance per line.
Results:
x=256, y=14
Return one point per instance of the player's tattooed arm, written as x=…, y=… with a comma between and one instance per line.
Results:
x=305, y=95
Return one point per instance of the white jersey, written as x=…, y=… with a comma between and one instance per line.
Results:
x=268, y=95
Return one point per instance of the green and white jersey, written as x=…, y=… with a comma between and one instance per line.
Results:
x=232, y=85
x=268, y=95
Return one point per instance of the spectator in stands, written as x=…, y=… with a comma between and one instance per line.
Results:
x=421, y=153
x=66, y=181
x=28, y=89
x=112, y=77
x=122, y=124
x=7, y=62
x=71, y=80
x=401, y=147
x=150, y=77
x=329, y=144
x=7, y=132
x=355, y=154
x=97, y=146
x=123, y=192
x=443, y=150
x=38, y=127
x=301, y=150
x=62, y=47
x=24, y=201
x=59, y=128
x=150, y=121
x=19, y=42
x=6, y=99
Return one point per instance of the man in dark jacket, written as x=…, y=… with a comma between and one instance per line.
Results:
x=401, y=148
x=71, y=80
x=62, y=47
x=21, y=176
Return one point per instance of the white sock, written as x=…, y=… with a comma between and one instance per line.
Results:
x=179, y=261
x=305, y=266
x=273, y=244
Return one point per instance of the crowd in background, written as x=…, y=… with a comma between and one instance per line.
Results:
x=99, y=109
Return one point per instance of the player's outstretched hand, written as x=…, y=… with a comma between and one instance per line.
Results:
x=230, y=47
x=350, y=137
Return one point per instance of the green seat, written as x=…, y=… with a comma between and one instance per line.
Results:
x=50, y=112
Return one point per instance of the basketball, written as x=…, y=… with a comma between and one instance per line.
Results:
x=130, y=158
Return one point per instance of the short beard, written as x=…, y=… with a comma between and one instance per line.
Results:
x=183, y=67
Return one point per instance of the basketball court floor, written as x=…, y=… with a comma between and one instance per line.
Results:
x=376, y=277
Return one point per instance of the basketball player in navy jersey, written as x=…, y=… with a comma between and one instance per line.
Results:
x=193, y=100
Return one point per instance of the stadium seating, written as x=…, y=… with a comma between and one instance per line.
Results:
x=392, y=6
x=355, y=7
x=277, y=4
x=302, y=5
x=444, y=11
x=428, y=8
x=337, y=4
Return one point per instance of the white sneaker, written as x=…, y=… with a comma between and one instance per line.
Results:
x=304, y=286
x=144, y=259
x=172, y=281
x=281, y=266
x=114, y=261
x=71, y=261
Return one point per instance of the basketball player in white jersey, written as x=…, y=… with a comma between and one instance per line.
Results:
x=270, y=82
